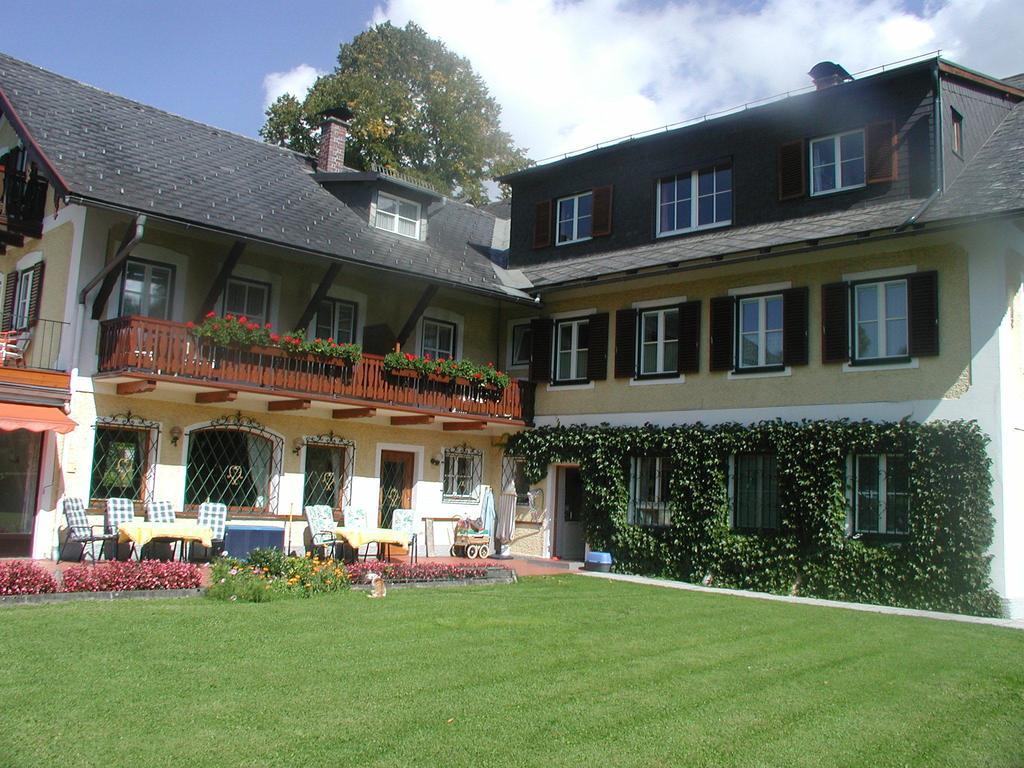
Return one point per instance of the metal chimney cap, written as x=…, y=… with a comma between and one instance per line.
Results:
x=829, y=72
x=341, y=112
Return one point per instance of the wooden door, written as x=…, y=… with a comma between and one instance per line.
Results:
x=396, y=468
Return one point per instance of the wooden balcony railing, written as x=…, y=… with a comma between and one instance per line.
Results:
x=22, y=202
x=169, y=350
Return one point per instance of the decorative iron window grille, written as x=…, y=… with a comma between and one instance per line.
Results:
x=329, y=468
x=123, y=458
x=236, y=461
x=512, y=471
x=463, y=473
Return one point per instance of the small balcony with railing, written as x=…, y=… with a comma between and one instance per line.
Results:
x=30, y=354
x=22, y=205
x=139, y=352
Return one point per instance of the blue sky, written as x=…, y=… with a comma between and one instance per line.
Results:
x=567, y=74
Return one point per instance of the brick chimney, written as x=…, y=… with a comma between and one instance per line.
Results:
x=333, y=133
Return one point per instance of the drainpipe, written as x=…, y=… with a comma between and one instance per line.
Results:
x=940, y=183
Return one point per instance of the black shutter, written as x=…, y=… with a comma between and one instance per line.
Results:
x=880, y=151
x=542, y=330
x=597, y=353
x=792, y=174
x=794, y=326
x=601, y=223
x=835, y=323
x=36, y=293
x=722, y=314
x=689, y=337
x=10, y=288
x=625, y=343
x=542, y=225
x=923, y=308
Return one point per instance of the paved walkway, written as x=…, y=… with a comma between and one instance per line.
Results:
x=866, y=607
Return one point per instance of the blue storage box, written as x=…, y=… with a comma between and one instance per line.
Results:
x=240, y=540
x=598, y=561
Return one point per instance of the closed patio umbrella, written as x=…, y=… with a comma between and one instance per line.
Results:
x=505, y=525
x=487, y=510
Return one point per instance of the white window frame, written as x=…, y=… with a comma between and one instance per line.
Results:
x=575, y=217
x=395, y=217
x=266, y=287
x=882, y=320
x=512, y=361
x=659, y=343
x=836, y=140
x=883, y=494
x=762, y=330
x=334, y=320
x=694, y=201
x=149, y=266
x=657, y=508
x=433, y=351
x=573, y=350
x=22, y=300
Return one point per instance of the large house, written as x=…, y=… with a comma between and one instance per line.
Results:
x=855, y=251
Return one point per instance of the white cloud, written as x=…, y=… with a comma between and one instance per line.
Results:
x=571, y=74
x=295, y=81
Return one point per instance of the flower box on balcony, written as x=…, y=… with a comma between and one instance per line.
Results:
x=440, y=378
x=405, y=373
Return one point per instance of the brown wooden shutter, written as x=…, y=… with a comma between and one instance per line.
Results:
x=597, y=353
x=794, y=326
x=10, y=288
x=880, y=151
x=792, y=173
x=36, y=293
x=542, y=225
x=923, y=308
x=689, y=337
x=542, y=331
x=723, y=309
x=835, y=323
x=601, y=224
x=625, y=343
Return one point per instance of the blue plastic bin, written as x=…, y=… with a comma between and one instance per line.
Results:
x=598, y=561
x=240, y=540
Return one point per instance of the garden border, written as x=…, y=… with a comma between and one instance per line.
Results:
x=68, y=597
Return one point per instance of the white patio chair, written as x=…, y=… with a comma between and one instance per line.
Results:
x=405, y=520
x=320, y=519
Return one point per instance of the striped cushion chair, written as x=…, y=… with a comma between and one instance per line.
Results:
x=214, y=516
x=320, y=519
x=119, y=511
x=160, y=512
x=405, y=520
x=81, y=532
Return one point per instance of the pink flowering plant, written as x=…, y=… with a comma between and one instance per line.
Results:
x=398, y=572
x=21, y=577
x=131, y=576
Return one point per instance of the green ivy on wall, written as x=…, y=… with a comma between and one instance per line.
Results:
x=940, y=564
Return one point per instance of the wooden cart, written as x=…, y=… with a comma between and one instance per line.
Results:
x=471, y=544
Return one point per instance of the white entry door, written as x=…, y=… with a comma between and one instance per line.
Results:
x=569, y=533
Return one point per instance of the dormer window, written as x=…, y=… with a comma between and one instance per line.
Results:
x=575, y=218
x=837, y=162
x=397, y=215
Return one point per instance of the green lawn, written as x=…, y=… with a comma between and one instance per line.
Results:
x=553, y=671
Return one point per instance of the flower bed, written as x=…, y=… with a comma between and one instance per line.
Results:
x=270, y=574
x=446, y=368
x=232, y=330
x=20, y=577
x=406, y=572
x=132, y=576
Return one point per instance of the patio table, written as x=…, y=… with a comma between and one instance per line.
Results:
x=143, y=533
x=358, y=537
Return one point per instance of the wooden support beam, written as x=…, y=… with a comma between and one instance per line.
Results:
x=219, y=282
x=11, y=238
x=217, y=396
x=463, y=426
x=405, y=421
x=135, y=387
x=288, y=405
x=417, y=312
x=318, y=295
x=353, y=413
x=111, y=272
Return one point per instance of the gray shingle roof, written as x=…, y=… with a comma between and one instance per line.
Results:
x=112, y=150
x=722, y=242
x=993, y=180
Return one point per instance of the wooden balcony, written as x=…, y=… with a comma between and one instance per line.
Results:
x=22, y=204
x=164, y=350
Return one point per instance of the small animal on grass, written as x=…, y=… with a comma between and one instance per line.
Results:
x=377, y=586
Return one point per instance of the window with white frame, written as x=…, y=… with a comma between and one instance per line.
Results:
x=760, y=331
x=575, y=218
x=23, y=300
x=755, y=492
x=958, y=132
x=247, y=298
x=336, y=319
x=438, y=339
x=880, y=320
x=650, y=479
x=572, y=345
x=695, y=200
x=880, y=494
x=397, y=215
x=146, y=289
x=463, y=471
x=837, y=162
x=522, y=345
x=659, y=341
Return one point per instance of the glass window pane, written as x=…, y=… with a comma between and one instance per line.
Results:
x=583, y=335
x=897, y=494
x=684, y=214
x=749, y=349
x=851, y=146
x=723, y=179
x=671, y=324
x=671, y=356
x=584, y=206
x=406, y=227
x=668, y=190
x=565, y=336
x=565, y=209
x=749, y=315
x=866, y=497
x=705, y=210
x=324, y=320
x=235, y=300
x=345, y=325
x=867, y=302
x=256, y=303
x=667, y=220
x=565, y=365
x=867, y=339
x=706, y=182
x=385, y=221
x=896, y=338
x=131, y=304
x=583, y=227
x=773, y=313
x=723, y=206
x=408, y=210
x=522, y=344
x=853, y=172
x=650, y=326
x=773, y=348
x=581, y=364
x=649, y=359
x=896, y=299
x=823, y=152
x=387, y=204
x=824, y=178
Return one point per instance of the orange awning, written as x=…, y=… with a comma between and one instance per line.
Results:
x=34, y=418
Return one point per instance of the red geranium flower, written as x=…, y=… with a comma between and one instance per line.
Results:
x=229, y=316
x=190, y=324
x=409, y=356
x=211, y=314
x=275, y=338
x=243, y=319
x=267, y=326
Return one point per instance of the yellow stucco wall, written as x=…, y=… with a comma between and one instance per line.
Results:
x=55, y=248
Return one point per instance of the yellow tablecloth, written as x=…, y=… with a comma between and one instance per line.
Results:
x=143, y=533
x=357, y=537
